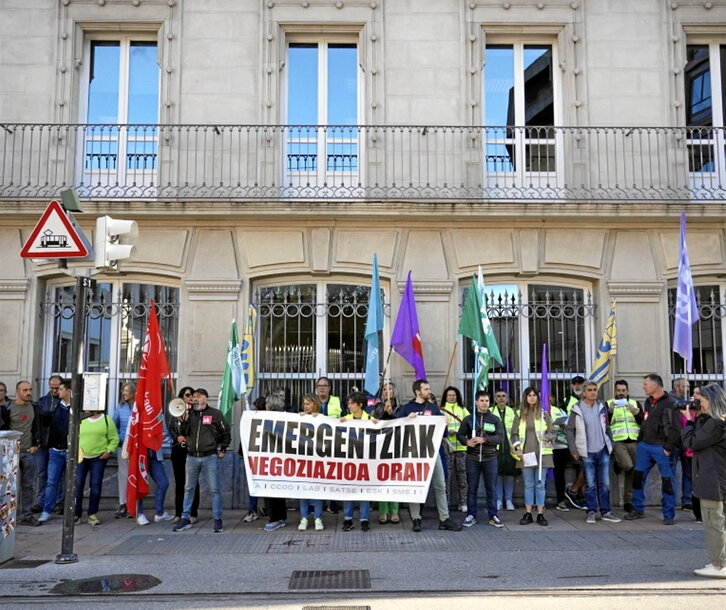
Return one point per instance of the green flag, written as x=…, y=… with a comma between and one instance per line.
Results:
x=474, y=323
x=233, y=381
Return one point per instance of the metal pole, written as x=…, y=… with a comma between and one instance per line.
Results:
x=69, y=504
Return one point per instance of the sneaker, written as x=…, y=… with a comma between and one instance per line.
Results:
x=611, y=516
x=469, y=521
x=142, y=519
x=668, y=521
x=193, y=519
x=634, y=514
x=44, y=516
x=510, y=505
x=364, y=527
x=303, y=524
x=526, y=519
x=347, y=525
x=121, y=512
x=93, y=520
x=184, y=524
x=271, y=527
x=496, y=521
x=687, y=507
x=572, y=498
x=448, y=524
x=710, y=572
x=319, y=527
x=628, y=507
x=218, y=526
x=163, y=517
x=250, y=517
x=541, y=520
x=500, y=506
x=416, y=525
x=31, y=520
x=464, y=508
x=591, y=517
x=562, y=506
x=332, y=509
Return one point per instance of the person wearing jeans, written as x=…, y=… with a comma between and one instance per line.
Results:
x=155, y=464
x=532, y=435
x=97, y=440
x=481, y=433
x=590, y=441
x=207, y=436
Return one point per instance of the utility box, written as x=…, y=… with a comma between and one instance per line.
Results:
x=9, y=452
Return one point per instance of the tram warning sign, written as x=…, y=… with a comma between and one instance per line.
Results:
x=55, y=236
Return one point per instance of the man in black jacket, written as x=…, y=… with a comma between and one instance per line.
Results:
x=481, y=441
x=207, y=436
x=659, y=437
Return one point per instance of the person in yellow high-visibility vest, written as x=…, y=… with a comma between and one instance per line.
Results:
x=626, y=416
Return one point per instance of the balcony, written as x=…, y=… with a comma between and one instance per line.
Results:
x=373, y=162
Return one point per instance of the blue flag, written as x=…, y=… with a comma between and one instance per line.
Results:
x=686, y=308
x=374, y=325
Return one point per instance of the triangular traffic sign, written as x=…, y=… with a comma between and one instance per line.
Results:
x=54, y=237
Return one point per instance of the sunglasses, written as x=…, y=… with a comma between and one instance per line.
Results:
x=187, y=393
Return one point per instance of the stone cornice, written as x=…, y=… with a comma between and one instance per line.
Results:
x=637, y=291
x=213, y=290
x=430, y=290
x=14, y=289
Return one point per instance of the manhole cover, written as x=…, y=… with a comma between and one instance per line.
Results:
x=116, y=583
x=330, y=579
x=19, y=564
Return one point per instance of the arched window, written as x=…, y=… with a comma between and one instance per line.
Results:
x=117, y=316
x=307, y=330
x=524, y=317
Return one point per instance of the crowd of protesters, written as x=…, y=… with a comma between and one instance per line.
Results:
x=496, y=443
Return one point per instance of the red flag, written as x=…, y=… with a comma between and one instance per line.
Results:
x=146, y=428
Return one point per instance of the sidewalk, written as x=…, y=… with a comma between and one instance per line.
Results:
x=565, y=556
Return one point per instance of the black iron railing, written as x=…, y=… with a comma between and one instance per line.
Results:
x=241, y=162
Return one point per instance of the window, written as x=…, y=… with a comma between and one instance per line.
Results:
x=122, y=112
x=524, y=317
x=707, y=334
x=323, y=86
x=519, y=114
x=308, y=330
x=115, y=329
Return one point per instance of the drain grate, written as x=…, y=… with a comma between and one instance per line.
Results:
x=19, y=564
x=329, y=579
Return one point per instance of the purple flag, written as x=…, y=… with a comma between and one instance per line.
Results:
x=686, y=309
x=406, y=339
x=545, y=384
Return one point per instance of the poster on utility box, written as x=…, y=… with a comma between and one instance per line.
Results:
x=317, y=457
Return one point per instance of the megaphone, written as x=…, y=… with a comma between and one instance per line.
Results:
x=177, y=407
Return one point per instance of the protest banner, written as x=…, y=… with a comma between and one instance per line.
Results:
x=305, y=456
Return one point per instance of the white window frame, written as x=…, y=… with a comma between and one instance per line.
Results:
x=321, y=175
x=520, y=176
x=121, y=174
x=710, y=180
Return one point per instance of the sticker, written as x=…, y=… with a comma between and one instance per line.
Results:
x=206, y=420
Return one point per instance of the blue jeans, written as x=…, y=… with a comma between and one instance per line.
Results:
x=646, y=457
x=474, y=470
x=317, y=508
x=349, y=506
x=53, y=489
x=252, y=504
x=157, y=472
x=208, y=468
x=534, y=488
x=27, y=464
x=41, y=474
x=505, y=488
x=597, y=480
x=95, y=466
x=686, y=479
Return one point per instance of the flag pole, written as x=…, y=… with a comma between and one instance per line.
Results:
x=451, y=360
x=385, y=371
